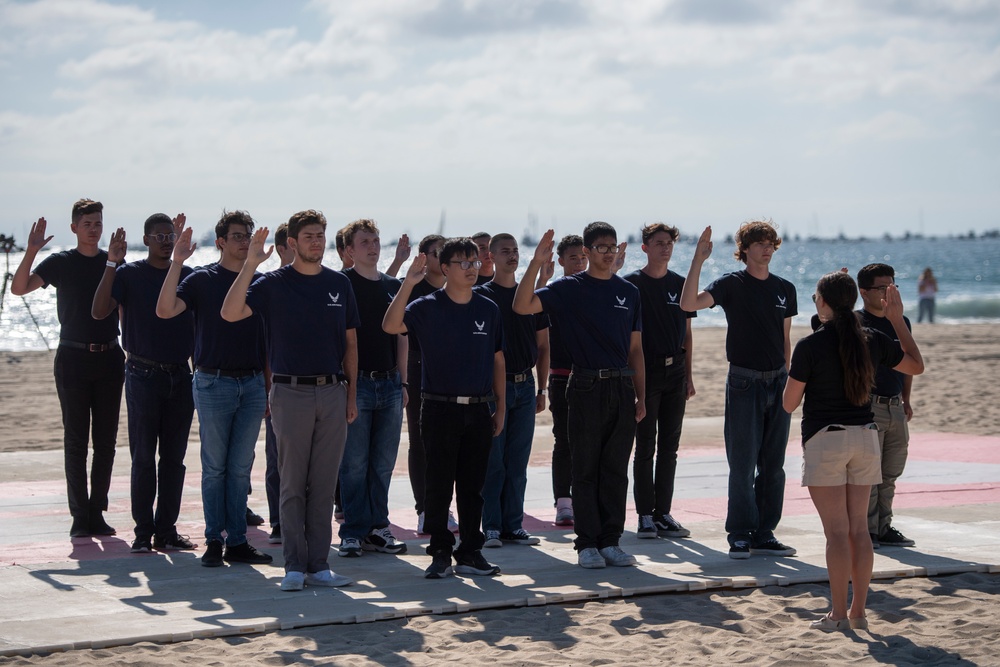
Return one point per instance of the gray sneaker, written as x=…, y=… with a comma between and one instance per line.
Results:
x=349, y=548
x=492, y=539
x=615, y=557
x=590, y=558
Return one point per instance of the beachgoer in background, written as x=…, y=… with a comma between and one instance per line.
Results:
x=927, y=289
x=834, y=368
x=89, y=364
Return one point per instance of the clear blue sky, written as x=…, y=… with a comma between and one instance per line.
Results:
x=854, y=116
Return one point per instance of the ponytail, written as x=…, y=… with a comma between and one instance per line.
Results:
x=840, y=293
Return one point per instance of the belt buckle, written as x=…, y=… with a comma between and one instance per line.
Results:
x=604, y=373
x=669, y=361
x=463, y=400
x=95, y=347
x=321, y=381
x=519, y=377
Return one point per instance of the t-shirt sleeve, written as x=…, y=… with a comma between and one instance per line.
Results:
x=187, y=290
x=719, y=289
x=541, y=321
x=801, y=362
x=257, y=294
x=887, y=353
x=793, y=301
x=49, y=271
x=637, y=315
x=412, y=316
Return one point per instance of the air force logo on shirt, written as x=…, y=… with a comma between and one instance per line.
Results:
x=621, y=303
x=479, y=329
x=673, y=299
x=334, y=299
x=781, y=302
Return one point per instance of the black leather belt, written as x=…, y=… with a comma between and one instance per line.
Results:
x=461, y=400
x=89, y=347
x=236, y=373
x=310, y=380
x=603, y=373
x=378, y=375
x=887, y=400
x=519, y=377
x=169, y=368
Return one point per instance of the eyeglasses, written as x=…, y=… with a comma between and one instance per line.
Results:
x=238, y=237
x=814, y=298
x=467, y=264
x=880, y=288
x=160, y=238
x=604, y=249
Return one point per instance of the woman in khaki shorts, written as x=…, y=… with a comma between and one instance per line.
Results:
x=834, y=368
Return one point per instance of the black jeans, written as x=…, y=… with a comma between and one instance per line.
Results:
x=458, y=440
x=89, y=385
x=659, y=434
x=416, y=458
x=160, y=409
x=562, y=456
x=601, y=430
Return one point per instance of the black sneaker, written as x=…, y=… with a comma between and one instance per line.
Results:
x=875, y=542
x=275, y=536
x=80, y=527
x=439, y=568
x=647, y=527
x=474, y=563
x=254, y=519
x=142, y=545
x=519, y=536
x=173, y=542
x=893, y=538
x=772, y=547
x=246, y=553
x=668, y=526
x=740, y=550
x=98, y=526
x=213, y=554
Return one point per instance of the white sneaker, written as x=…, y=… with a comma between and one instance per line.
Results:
x=349, y=548
x=328, y=578
x=590, y=558
x=615, y=557
x=564, y=512
x=452, y=522
x=492, y=539
x=293, y=581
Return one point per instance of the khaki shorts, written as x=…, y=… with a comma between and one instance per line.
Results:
x=840, y=455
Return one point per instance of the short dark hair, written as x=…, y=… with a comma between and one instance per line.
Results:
x=464, y=246
x=479, y=235
x=281, y=235
x=567, y=242
x=338, y=240
x=656, y=227
x=868, y=273
x=499, y=238
x=596, y=230
x=84, y=206
x=362, y=225
x=154, y=220
x=755, y=231
x=429, y=240
x=304, y=219
x=232, y=218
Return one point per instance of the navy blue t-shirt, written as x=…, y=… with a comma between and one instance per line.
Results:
x=816, y=362
x=136, y=289
x=520, y=350
x=756, y=311
x=76, y=277
x=421, y=289
x=595, y=318
x=664, y=324
x=458, y=342
x=307, y=318
x=888, y=382
x=558, y=354
x=376, y=348
x=220, y=344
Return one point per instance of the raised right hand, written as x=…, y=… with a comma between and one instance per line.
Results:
x=183, y=248
x=543, y=253
x=704, y=249
x=37, y=239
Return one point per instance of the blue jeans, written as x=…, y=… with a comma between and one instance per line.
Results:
x=370, y=456
x=756, y=437
x=230, y=411
x=160, y=408
x=507, y=471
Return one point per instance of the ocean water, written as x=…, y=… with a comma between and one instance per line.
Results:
x=967, y=270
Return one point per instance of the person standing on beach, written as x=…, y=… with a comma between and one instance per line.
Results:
x=89, y=364
x=461, y=342
x=314, y=387
x=890, y=403
x=482, y=241
x=927, y=289
x=834, y=368
x=372, y=438
x=759, y=307
x=228, y=385
x=525, y=349
x=157, y=382
x=600, y=320
x=667, y=346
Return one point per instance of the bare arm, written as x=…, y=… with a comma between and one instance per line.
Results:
x=392, y=322
x=402, y=358
x=545, y=274
x=500, y=390
x=526, y=302
x=542, y=367
x=169, y=304
x=689, y=360
x=235, y=307
x=103, y=304
x=907, y=388
x=637, y=362
x=794, y=390
x=912, y=363
x=691, y=299
x=24, y=280
x=351, y=372
x=402, y=254
x=788, y=343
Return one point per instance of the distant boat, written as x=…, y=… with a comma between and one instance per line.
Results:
x=530, y=236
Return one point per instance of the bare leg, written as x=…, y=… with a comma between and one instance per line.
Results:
x=862, y=557
x=831, y=503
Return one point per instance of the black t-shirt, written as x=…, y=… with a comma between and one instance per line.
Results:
x=756, y=311
x=136, y=289
x=595, y=318
x=421, y=289
x=376, y=348
x=306, y=318
x=520, y=350
x=218, y=343
x=888, y=382
x=558, y=354
x=482, y=280
x=458, y=342
x=76, y=277
x=664, y=324
x=816, y=362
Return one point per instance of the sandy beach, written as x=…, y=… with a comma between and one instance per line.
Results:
x=922, y=620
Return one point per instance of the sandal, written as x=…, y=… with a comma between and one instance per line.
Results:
x=827, y=624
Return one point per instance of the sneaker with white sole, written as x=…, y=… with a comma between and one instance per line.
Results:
x=349, y=548
x=382, y=540
x=615, y=557
x=891, y=537
x=668, y=526
x=564, y=512
x=519, y=536
x=293, y=581
x=772, y=547
x=590, y=558
x=439, y=568
x=474, y=563
x=647, y=528
x=452, y=523
x=275, y=536
x=493, y=539
x=328, y=579
x=142, y=545
x=173, y=542
x=739, y=550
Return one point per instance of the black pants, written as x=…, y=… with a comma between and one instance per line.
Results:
x=89, y=385
x=659, y=434
x=562, y=457
x=601, y=431
x=416, y=458
x=458, y=439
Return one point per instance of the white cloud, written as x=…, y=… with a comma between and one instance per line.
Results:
x=886, y=126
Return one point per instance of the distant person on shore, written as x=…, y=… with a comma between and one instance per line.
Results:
x=834, y=368
x=89, y=364
x=927, y=289
x=157, y=383
x=759, y=307
x=890, y=403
